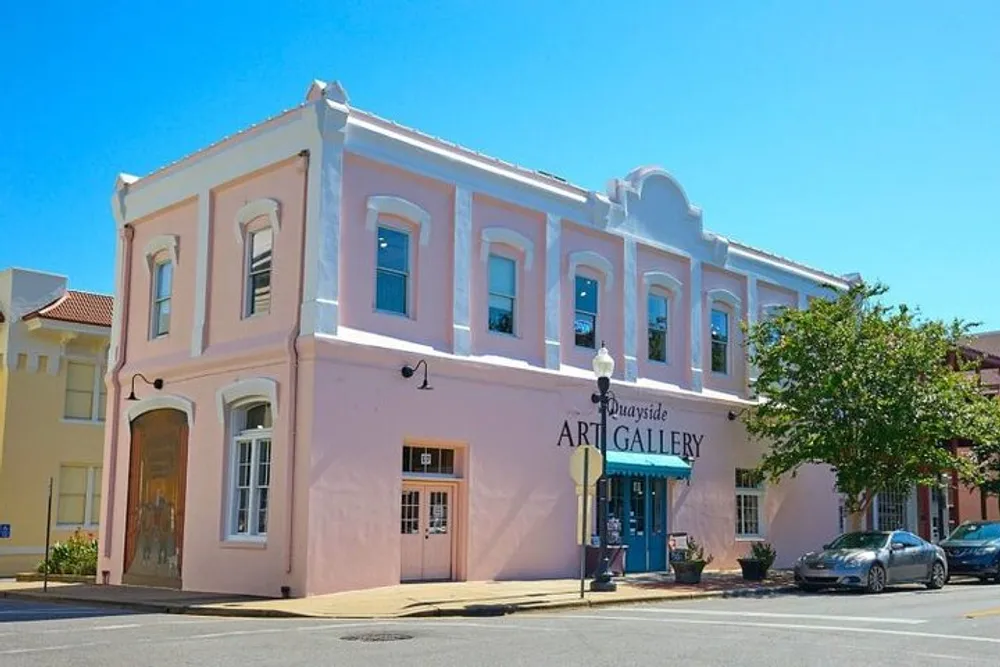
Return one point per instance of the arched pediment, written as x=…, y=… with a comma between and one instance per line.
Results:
x=257, y=387
x=161, y=402
x=252, y=210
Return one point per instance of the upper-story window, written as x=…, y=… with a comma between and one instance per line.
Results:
x=86, y=394
x=503, y=294
x=258, y=271
x=720, y=341
x=585, y=319
x=657, y=315
x=163, y=279
x=392, y=273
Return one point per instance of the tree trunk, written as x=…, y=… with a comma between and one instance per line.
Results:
x=856, y=522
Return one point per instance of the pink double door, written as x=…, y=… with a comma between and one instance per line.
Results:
x=426, y=530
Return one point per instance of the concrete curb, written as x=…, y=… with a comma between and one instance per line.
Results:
x=478, y=610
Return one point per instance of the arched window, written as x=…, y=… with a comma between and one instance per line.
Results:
x=249, y=470
x=257, y=225
x=725, y=310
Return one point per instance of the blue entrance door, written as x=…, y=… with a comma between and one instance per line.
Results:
x=640, y=503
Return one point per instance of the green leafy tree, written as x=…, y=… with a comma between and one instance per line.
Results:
x=866, y=389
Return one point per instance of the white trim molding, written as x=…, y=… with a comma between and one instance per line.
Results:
x=255, y=209
x=161, y=402
x=201, y=272
x=403, y=208
x=553, y=233
x=508, y=237
x=663, y=280
x=461, y=304
x=158, y=244
x=257, y=387
x=720, y=295
x=593, y=260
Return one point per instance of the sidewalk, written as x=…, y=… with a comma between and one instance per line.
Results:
x=475, y=598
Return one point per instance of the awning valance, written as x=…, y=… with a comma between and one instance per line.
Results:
x=654, y=465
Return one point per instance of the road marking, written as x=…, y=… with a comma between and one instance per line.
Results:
x=34, y=611
x=763, y=614
x=40, y=649
x=984, y=612
x=306, y=628
x=795, y=626
x=116, y=627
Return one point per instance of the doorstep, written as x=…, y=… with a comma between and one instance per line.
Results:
x=475, y=598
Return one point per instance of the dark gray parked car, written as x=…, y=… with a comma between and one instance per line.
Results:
x=871, y=561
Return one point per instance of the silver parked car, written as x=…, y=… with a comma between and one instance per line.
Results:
x=871, y=561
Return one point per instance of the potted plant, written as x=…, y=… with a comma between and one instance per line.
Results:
x=760, y=560
x=688, y=570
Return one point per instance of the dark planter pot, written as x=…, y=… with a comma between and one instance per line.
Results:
x=688, y=571
x=753, y=569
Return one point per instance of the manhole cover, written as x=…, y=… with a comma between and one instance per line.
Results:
x=377, y=637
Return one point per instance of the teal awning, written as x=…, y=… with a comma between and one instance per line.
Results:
x=654, y=465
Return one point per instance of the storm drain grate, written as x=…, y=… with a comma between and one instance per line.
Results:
x=377, y=637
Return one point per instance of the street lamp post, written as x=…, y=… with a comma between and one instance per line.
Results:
x=604, y=367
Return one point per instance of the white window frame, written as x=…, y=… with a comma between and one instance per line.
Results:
x=596, y=314
x=408, y=274
x=667, y=297
x=720, y=308
x=248, y=273
x=97, y=389
x=90, y=522
x=759, y=493
x=238, y=435
x=513, y=297
x=154, y=302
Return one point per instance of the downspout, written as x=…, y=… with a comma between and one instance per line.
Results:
x=128, y=233
x=293, y=354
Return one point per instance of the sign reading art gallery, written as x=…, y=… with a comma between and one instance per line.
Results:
x=635, y=427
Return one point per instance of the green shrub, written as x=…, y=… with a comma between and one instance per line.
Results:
x=763, y=551
x=696, y=552
x=77, y=555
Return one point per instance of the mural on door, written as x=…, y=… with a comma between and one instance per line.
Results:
x=426, y=532
x=640, y=504
x=157, y=479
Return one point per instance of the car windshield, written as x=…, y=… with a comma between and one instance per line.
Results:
x=860, y=541
x=976, y=531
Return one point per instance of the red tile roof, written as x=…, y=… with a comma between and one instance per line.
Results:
x=78, y=307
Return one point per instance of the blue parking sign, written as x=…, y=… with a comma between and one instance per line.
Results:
x=4, y=531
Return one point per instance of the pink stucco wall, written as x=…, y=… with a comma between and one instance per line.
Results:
x=528, y=341
x=429, y=321
x=610, y=315
x=677, y=369
x=521, y=510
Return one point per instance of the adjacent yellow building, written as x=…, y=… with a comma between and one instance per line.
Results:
x=53, y=353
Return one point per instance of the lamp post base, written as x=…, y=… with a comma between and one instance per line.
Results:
x=598, y=586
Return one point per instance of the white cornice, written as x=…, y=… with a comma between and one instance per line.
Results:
x=663, y=280
x=595, y=261
x=45, y=324
x=255, y=209
x=248, y=388
x=725, y=296
x=161, y=243
x=399, y=207
x=161, y=402
x=511, y=238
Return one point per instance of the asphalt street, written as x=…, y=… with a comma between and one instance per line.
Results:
x=909, y=626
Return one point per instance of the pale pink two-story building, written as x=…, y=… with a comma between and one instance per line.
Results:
x=298, y=285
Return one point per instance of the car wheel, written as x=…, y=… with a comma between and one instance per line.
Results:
x=876, y=579
x=938, y=578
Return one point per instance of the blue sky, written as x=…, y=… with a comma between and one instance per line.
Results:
x=850, y=135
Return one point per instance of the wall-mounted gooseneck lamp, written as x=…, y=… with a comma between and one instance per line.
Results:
x=408, y=371
x=734, y=414
x=155, y=384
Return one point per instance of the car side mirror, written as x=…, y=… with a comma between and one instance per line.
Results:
x=826, y=546
x=898, y=546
